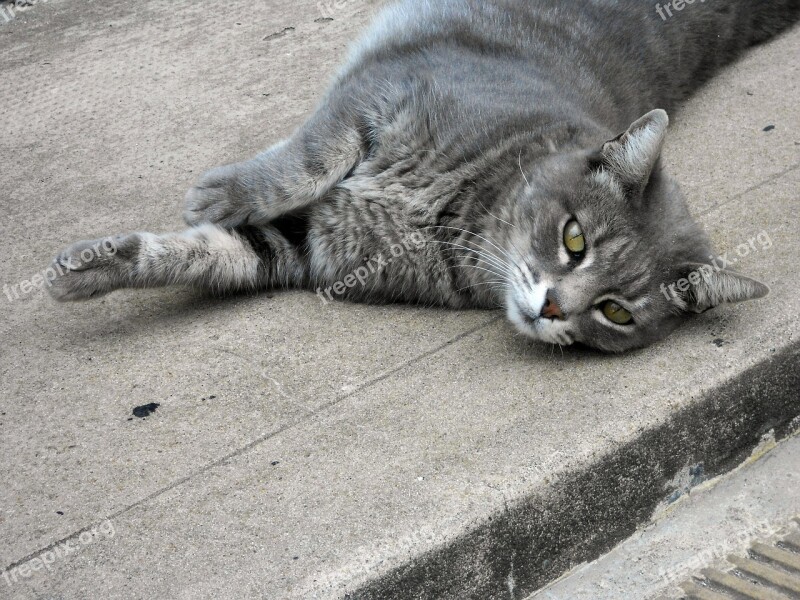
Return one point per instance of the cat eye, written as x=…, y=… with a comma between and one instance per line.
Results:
x=616, y=314
x=573, y=238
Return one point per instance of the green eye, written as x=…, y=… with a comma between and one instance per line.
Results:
x=573, y=238
x=616, y=314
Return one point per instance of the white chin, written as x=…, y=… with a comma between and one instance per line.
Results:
x=550, y=334
x=544, y=330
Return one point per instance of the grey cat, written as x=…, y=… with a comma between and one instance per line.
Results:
x=467, y=156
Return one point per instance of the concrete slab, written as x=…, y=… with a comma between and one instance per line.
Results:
x=376, y=451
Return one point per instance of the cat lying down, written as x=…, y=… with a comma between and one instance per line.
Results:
x=469, y=155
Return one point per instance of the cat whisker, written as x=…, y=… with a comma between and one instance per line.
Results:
x=505, y=276
x=527, y=183
x=511, y=260
x=481, y=248
x=478, y=247
x=502, y=269
x=490, y=260
x=477, y=236
x=520, y=254
x=488, y=255
x=506, y=279
x=495, y=216
x=495, y=273
x=492, y=268
x=495, y=282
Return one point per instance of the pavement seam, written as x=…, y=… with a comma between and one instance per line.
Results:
x=249, y=446
x=753, y=188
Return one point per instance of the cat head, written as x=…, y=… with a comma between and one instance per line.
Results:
x=605, y=250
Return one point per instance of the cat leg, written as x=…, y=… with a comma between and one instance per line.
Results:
x=288, y=177
x=206, y=257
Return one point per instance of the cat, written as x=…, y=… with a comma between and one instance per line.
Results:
x=469, y=155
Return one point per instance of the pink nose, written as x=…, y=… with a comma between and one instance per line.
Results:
x=551, y=309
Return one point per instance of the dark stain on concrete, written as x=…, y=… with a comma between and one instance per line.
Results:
x=145, y=410
x=278, y=34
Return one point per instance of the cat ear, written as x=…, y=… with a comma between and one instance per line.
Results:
x=704, y=287
x=632, y=155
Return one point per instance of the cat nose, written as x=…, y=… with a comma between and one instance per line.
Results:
x=551, y=309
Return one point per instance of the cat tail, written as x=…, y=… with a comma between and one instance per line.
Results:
x=206, y=257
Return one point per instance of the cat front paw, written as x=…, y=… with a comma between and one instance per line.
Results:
x=90, y=268
x=220, y=197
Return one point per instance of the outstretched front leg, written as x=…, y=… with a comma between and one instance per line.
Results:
x=206, y=257
x=289, y=176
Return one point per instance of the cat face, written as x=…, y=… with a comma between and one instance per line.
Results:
x=600, y=240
